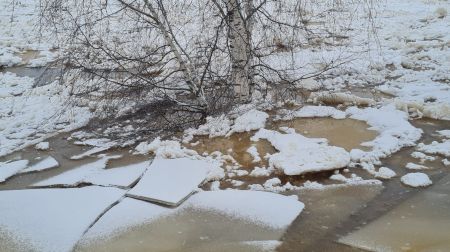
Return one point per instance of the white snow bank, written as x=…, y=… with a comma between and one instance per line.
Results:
x=51, y=219
x=426, y=99
x=394, y=130
x=214, y=127
x=320, y=111
x=444, y=133
x=251, y=120
x=97, y=174
x=330, y=97
x=436, y=148
x=36, y=115
x=416, y=179
x=298, y=154
x=9, y=169
x=165, y=149
x=45, y=164
x=171, y=181
x=263, y=208
x=13, y=85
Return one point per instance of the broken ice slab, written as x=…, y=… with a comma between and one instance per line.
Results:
x=203, y=221
x=45, y=164
x=96, y=173
x=9, y=169
x=90, y=152
x=171, y=181
x=421, y=223
x=50, y=219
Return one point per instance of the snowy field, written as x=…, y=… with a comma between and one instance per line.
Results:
x=240, y=166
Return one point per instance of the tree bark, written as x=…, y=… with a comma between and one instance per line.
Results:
x=239, y=37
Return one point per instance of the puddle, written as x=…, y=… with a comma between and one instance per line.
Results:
x=346, y=133
x=187, y=231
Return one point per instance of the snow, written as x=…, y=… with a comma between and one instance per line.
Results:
x=298, y=154
x=262, y=208
x=260, y=172
x=435, y=147
x=96, y=173
x=90, y=152
x=253, y=151
x=45, y=164
x=422, y=156
x=319, y=111
x=413, y=166
x=416, y=179
x=394, y=131
x=446, y=162
x=13, y=85
x=171, y=181
x=51, y=219
x=9, y=169
x=214, y=127
x=164, y=149
x=36, y=115
x=444, y=133
x=385, y=173
x=42, y=146
x=329, y=97
x=251, y=120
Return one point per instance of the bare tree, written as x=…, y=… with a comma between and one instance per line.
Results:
x=198, y=56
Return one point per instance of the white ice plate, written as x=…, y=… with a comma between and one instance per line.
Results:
x=45, y=164
x=170, y=181
x=50, y=219
x=10, y=169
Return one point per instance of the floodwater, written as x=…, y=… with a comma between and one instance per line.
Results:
x=359, y=216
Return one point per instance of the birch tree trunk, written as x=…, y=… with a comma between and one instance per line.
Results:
x=239, y=37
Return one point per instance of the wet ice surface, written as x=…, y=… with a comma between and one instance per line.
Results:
x=206, y=219
x=50, y=219
x=421, y=223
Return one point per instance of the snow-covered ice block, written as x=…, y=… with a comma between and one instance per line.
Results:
x=50, y=219
x=319, y=111
x=416, y=179
x=251, y=120
x=9, y=169
x=264, y=209
x=45, y=164
x=298, y=154
x=96, y=174
x=42, y=146
x=171, y=181
x=436, y=148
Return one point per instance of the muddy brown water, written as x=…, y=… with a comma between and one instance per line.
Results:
x=329, y=214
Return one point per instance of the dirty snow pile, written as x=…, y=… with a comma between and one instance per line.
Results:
x=298, y=154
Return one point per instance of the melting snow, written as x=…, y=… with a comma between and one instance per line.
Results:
x=45, y=164
x=298, y=154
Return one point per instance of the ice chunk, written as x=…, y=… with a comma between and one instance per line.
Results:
x=319, y=111
x=9, y=169
x=385, y=173
x=253, y=151
x=264, y=209
x=45, y=164
x=298, y=154
x=96, y=174
x=42, y=146
x=171, y=181
x=50, y=219
x=413, y=166
x=252, y=120
x=436, y=148
x=416, y=179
